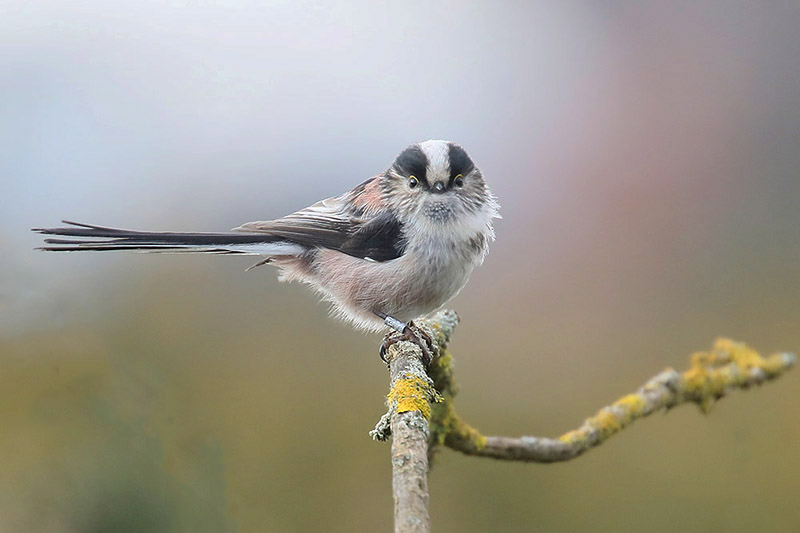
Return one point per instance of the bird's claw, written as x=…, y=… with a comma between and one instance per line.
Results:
x=411, y=333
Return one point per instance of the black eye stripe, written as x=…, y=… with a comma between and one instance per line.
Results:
x=460, y=163
x=412, y=162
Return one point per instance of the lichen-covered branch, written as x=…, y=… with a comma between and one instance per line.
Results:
x=422, y=415
x=409, y=408
x=410, y=397
x=726, y=367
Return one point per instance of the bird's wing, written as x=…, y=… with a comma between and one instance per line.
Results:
x=355, y=223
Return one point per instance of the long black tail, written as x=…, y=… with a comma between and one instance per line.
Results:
x=99, y=238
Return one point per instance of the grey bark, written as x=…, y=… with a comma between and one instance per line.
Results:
x=409, y=447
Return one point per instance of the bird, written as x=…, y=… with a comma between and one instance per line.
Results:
x=394, y=248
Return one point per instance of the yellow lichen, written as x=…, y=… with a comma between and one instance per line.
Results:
x=447, y=427
x=633, y=403
x=695, y=379
x=697, y=384
x=606, y=422
x=727, y=364
x=775, y=364
x=412, y=393
x=631, y=406
x=437, y=329
x=477, y=439
x=445, y=360
x=573, y=437
x=747, y=359
x=458, y=429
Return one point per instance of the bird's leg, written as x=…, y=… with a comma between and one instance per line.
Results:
x=405, y=332
x=393, y=323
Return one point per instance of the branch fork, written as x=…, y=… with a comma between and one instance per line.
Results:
x=422, y=417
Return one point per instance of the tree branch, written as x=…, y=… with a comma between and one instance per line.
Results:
x=410, y=397
x=422, y=417
x=726, y=367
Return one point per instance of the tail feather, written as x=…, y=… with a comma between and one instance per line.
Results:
x=88, y=237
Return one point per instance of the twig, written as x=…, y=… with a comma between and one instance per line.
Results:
x=726, y=367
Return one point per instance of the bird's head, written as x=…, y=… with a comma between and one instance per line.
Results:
x=437, y=184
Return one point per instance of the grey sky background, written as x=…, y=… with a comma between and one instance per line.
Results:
x=202, y=116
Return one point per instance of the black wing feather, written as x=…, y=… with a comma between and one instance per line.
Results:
x=380, y=239
x=89, y=234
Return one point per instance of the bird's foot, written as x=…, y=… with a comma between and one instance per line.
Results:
x=411, y=333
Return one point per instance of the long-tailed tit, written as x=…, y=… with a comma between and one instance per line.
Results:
x=394, y=248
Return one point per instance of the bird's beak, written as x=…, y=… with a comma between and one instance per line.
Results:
x=438, y=187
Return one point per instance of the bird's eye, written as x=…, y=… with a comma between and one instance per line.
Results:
x=459, y=181
x=413, y=181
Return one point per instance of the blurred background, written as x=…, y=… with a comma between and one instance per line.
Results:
x=646, y=158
